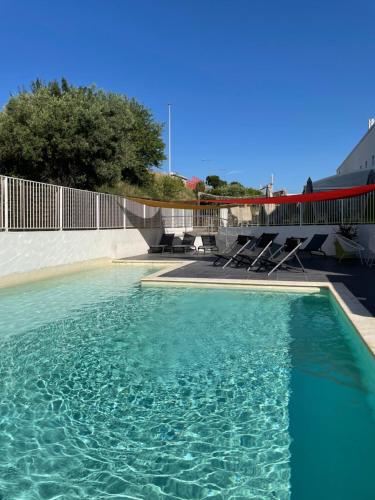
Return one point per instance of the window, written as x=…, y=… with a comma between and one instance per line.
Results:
x=373, y=160
x=366, y=164
x=360, y=167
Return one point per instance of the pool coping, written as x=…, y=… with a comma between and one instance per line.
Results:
x=45, y=273
x=360, y=318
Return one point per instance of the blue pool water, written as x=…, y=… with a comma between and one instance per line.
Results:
x=113, y=390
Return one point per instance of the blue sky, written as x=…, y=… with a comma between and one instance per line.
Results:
x=256, y=87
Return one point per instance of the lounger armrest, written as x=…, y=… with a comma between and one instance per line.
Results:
x=208, y=246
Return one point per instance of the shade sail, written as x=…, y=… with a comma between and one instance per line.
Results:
x=336, y=194
x=187, y=205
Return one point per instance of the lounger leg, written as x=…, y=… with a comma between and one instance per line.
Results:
x=286, y=258
x=227, y=263
x=300, y=263
x=235, y=255
x=260, y=255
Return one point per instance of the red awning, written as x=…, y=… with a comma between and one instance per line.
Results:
x=336, y=194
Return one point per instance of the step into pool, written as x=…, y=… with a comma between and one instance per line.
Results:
x=113, y=390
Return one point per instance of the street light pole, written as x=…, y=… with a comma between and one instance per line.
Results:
x=169, y=141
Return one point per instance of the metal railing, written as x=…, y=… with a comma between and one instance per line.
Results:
x=356, y=210
x=35, y=206
x=79, y=209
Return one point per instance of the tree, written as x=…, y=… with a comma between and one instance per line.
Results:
x=235, y=189
x=199, y=187
x=78, y=136
x=167, y=187
x=145, y=138
x=214, y=181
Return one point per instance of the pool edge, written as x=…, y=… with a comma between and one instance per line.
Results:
x=45, y=273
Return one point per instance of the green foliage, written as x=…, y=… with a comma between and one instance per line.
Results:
x=219, y=187
x=348, y=231
x=161, y=187
x=78, y=136
x=168, y=188
x=235, y=189
x=215, y=182
x=199, y=187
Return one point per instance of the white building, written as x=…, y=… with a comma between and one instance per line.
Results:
x=354, y=170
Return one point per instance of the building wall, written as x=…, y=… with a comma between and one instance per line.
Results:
x=27, y=251
x=363, y=152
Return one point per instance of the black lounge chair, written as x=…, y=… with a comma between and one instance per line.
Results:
x=251, y=254
x=187, y=244
x=314, y=246
x=208, y=243
x=166, y=242
x=237, y=247
x=283, y=255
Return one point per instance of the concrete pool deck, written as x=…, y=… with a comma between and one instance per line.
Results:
x=351, y=284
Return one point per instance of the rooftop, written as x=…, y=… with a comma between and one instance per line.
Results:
x=342, y=181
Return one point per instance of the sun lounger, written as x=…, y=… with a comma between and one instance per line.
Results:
x=187, y=244
x=208, y=243
x=251, y=254
x=314, y=246
x=237, y=246
x=166, y=242
x=280, y=258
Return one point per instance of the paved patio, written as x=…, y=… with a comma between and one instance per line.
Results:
x=360, y=280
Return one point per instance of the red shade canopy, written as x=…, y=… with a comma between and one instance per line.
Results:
x=336, y=194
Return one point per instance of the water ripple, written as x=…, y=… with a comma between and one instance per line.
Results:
x=147, y=394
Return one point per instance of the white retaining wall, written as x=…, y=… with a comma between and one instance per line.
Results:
x=366, y=233
x=22, y=252
x=31, y=250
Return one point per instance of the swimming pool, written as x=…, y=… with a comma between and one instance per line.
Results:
x=111, y=390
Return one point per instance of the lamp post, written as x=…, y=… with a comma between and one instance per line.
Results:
x=169, y=141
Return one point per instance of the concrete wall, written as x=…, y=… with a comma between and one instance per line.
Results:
x=363, y=152
x=31, y=250
x=23, y=252
x=366, y=233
